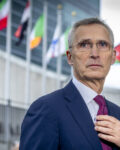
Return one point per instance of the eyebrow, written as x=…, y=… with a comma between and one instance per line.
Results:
x=87, y=40
x=84, y=40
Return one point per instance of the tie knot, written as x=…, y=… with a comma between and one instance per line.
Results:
x=99, y=99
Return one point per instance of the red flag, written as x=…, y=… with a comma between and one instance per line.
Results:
x=3, y=23
x=23, y=24
x=4, y=10
x=117, y=48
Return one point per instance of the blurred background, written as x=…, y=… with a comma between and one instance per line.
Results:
x=33, y=42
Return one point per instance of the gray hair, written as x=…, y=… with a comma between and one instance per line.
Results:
x=88, y=21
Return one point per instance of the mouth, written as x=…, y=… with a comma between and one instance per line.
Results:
x=95, y=65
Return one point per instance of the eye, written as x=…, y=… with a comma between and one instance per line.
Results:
x=84, y=44
x=103, y=44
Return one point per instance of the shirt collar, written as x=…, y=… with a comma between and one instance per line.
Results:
x=87, y=93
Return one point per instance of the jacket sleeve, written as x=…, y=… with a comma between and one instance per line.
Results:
x=39, y=128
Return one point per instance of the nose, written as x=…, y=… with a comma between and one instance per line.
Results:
x=94, y=53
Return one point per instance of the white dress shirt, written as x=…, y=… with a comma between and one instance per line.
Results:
x=87, y=94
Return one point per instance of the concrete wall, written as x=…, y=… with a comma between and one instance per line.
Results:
x=17, y=79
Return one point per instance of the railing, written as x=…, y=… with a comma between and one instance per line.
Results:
x=11, y=116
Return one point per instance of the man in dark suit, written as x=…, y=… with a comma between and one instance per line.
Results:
x=78, y=117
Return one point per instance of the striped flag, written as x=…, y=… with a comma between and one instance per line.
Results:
x=23, y=24
x=37, y=33
x=54, y=42
x=58, y=46
x=4, y=9
x=117, y=48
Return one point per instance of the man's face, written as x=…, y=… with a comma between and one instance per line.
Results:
x=95, y=62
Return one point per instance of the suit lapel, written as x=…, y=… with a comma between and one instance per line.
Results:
x=81, y=115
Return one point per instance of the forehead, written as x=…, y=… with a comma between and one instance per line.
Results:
x=93, y=32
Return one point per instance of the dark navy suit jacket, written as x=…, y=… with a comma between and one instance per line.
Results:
x=61, y=121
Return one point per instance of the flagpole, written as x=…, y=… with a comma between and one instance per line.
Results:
x=28, y=58
x=7, y=75
x=8, y=53
x=44, y=50
x=73, y=21
x=59, y=59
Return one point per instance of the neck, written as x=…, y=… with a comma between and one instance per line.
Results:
x=95, y=84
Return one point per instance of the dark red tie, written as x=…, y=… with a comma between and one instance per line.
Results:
x=102, y=111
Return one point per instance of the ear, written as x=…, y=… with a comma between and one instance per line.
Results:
x=69, y=57
x=113, y=57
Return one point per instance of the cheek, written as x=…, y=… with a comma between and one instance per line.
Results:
x=80, y=58
x=79, y=63
x=107, y=62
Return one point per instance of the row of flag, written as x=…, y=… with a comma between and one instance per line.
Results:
x=58, y=45
x=37, y=32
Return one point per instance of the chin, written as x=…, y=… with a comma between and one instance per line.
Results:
x=97, y=76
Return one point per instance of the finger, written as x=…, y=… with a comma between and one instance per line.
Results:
x=107, y=131
x=106, y=124
x=107, y=118
x=108, y=138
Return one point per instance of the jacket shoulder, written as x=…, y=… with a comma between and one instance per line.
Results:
x=114, y=109
x=51, y=99
x=55, y=98
x=113, y=105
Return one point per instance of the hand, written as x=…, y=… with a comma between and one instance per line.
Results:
x=109, y=128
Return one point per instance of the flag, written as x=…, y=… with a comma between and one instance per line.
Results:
x=117, y=48
x=4, y=9
x=54, y=42
x=23, y=24
x=37, y=32
x=58, y=46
